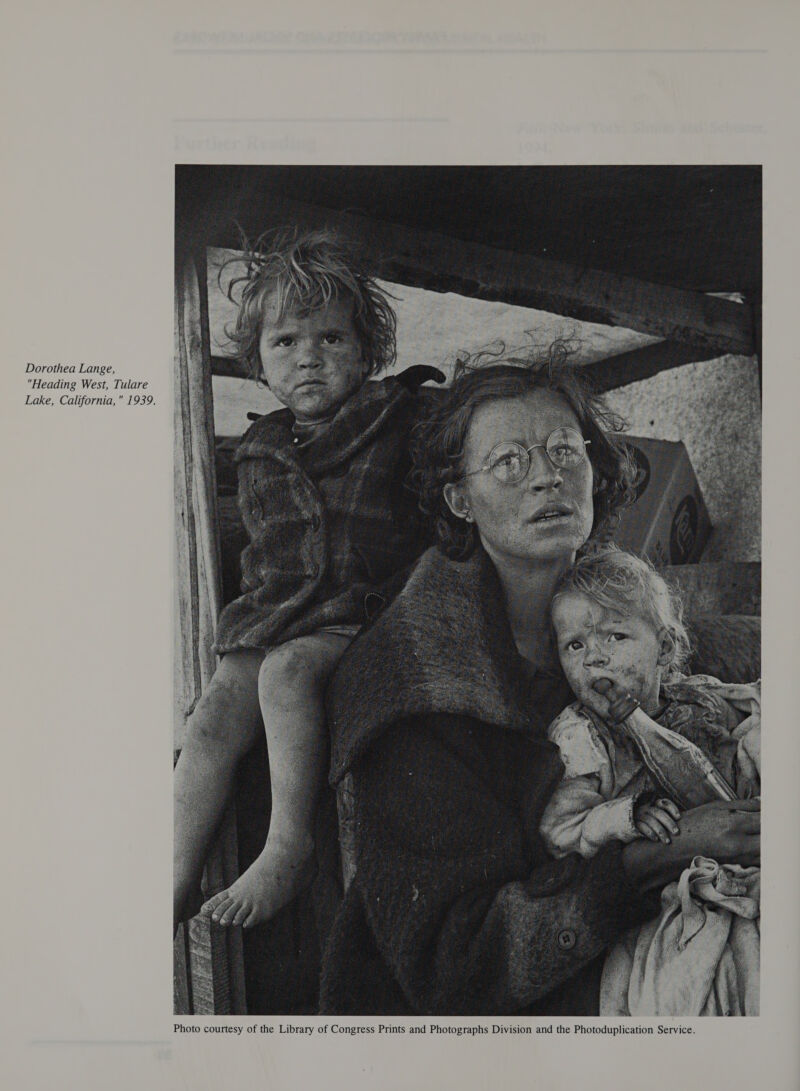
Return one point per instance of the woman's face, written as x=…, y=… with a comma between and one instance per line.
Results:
x=545, y=517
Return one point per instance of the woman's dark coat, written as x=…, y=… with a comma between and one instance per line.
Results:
x=442, y=763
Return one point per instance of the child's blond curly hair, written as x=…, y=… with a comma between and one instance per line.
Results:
x=628, y=584
x=302, y=272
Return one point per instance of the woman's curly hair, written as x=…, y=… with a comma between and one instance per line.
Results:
x=438, y=440
x=302, y=273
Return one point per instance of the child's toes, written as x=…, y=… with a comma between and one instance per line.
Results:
x=212, y=905
x=227, y=913
x=253, y=918
x=242, y=913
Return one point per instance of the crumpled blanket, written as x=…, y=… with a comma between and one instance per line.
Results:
x=699, y=957
x=724, y=720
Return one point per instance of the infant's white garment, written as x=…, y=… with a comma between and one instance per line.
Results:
x=699, y=957
x=603, y=777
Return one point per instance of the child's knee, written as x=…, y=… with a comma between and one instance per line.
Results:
x=285, y=667
x=228, y=714
x=290, y=667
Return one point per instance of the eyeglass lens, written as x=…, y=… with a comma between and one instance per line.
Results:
x=510, y=462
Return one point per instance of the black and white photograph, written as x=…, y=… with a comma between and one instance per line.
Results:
x=468, y=493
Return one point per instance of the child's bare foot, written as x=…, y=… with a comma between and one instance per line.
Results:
x=282, y=871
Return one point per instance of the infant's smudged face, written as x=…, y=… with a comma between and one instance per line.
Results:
x=596, y=642
x=312, y=362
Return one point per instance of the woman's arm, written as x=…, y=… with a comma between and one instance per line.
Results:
x=465, y=907
x=729, y=832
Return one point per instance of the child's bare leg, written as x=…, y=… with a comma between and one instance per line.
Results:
x=222, y=728
x=291, y=687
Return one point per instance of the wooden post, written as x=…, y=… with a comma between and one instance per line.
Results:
x=757, y=335
x=209, y=968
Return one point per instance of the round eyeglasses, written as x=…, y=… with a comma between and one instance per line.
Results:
x=509, y=462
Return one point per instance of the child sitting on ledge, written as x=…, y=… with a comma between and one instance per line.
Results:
x=322, y=499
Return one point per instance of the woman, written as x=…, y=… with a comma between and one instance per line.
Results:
x=439, y=712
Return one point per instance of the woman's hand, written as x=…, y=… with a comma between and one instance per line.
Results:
x=730, y=832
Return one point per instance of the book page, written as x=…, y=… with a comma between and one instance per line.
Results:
x=101, y=105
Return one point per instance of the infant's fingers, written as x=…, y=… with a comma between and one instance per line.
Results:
x=652, y=829
x=646, y=831
x=671, y=808
x=664, y=818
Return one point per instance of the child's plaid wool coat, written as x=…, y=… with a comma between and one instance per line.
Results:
x=329, y=521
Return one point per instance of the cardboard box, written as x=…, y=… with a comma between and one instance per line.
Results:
x=669, y=522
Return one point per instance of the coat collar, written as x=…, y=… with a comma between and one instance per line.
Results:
x=355, y=425
x=443, y=646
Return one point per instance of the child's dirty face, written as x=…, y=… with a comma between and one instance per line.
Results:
x=312, y=363
x=595, y=642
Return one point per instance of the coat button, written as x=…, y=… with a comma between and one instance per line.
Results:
x=566, y=939
x=314, y=571
x=315, y=521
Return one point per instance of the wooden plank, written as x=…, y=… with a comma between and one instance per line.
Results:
x=228, y=366
x=180, y=974
x=641, y=363
x=757, y=339
x=211, y=978
x=724, y=588
x=197, y=550
x=608, y=374
x=696, y=227
x=427, y=259
x=216, y=959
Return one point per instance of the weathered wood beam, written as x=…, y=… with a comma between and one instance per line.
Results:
x=197, y=550
x=640, y=363
x=181, y=985
x=209, y=970
x=228, y=366
x=698, y=227
x=608, y=374
x=216, y=957
x=724, y=587
x=757, y=339
x=427, y=259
